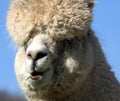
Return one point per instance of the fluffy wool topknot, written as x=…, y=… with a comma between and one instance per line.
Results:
x=58, y=18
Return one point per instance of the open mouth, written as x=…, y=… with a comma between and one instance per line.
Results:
x=36, y=75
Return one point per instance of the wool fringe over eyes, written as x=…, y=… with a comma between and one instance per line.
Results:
x=58, y=18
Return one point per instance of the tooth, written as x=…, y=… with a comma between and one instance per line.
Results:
x=35, y=77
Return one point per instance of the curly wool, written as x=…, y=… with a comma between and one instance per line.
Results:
x=60, y=19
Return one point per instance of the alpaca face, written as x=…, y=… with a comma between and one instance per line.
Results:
x=54, y=52
x=53, y=66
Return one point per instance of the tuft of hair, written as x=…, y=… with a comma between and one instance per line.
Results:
x=58, y=18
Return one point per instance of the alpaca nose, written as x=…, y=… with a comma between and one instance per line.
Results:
x=36, y=53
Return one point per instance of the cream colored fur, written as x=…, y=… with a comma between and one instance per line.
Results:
x=77, y=68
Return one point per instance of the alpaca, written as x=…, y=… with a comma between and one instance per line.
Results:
x=59, y=57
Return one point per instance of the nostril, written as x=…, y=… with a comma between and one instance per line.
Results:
x=29, y=56
x=35, y=55
x=40, y=55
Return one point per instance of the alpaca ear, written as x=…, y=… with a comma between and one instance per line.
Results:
x=89, y=2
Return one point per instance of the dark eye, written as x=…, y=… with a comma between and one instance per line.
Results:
x=68, y=42
x=25, y=45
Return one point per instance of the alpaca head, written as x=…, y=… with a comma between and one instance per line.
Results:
x=54, y=54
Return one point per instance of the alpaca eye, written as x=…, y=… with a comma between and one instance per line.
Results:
x=25, y=45
x=68, y=42
x=71, y=42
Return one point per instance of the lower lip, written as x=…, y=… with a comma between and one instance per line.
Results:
x=35, y=77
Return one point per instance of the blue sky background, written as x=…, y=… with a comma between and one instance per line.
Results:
x=106, y=24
